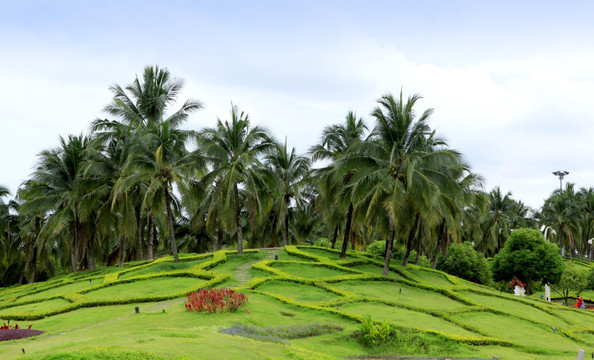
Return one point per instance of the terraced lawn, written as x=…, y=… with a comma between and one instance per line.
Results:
x=308, y=270
x=145, y=288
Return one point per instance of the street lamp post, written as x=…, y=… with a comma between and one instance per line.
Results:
x=560, y=174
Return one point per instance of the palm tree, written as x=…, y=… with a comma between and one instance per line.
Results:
x=399, y=169
x=233, y=151
x=335, y=143
x=289, y=171
x=562, y=212
x=160, y=159
x=498, y=221
x=56, y=188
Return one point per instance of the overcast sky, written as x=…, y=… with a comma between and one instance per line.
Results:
x=512, y=83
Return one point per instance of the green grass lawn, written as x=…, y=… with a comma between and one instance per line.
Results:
x=433, y=324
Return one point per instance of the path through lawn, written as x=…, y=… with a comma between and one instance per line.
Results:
x=242, y=273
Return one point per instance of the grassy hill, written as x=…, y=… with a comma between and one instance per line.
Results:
x=91, y=315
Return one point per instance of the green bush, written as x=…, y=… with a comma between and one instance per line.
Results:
x=376, y=333
x=323, y=242
x=463, y=261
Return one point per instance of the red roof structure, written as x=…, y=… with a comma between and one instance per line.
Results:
x=516, y=282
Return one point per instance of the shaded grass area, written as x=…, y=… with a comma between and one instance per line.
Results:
x=148, y=287
x=308, y=271
x=299, y=292
x=35, y=307
x=399, y=293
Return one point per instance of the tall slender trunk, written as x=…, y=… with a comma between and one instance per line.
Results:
x=388, y=255
x=33, y=265
x=90, y=259
x=219, y=244
x=335, y=236
x=139, y=252
x=74, y=247
x=419, y=243
x=238, y=232
x=121, y=252
x=151, y=238
x=437, y=247
x=409, y=242
x=353, y=239
x=347, y=232
x=170, y=223
x=286, y=230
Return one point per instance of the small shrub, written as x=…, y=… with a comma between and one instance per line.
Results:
x=323, y=242
x=376, y=333
x=215, y=300
x=13, y=332
x=463, y=261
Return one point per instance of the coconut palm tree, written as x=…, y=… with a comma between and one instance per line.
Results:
x=289, y=172
x=335, y=143
x=400, y=168
x=562, y=212
x=233, y=150
x=56, y=189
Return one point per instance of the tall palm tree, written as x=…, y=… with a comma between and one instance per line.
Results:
x=233, y=150
x=56, y=189
x=399, y=170
x=335, y=143
x=562, y=212
x=289, y=172
x=160, y=159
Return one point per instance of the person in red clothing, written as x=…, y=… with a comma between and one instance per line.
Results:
x=579, y=302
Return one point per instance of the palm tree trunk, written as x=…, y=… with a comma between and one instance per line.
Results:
x=238, y=232
x=139, y=255
x=388, y=256
x=347, y=232
x=286, y=230
x=411, y=236
x=151, y=238
x=33, y=265
x=219, y=244
x=74, y=247
x=121, y=252
x=418, y=258
x=437, y=247
x=334, y=236
x=90, y=259
x=170, y=223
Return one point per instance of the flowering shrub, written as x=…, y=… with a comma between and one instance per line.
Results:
x=215, y=300
x=12, y=332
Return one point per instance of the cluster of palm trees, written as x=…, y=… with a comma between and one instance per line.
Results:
x=567, y=217
x=140, y=186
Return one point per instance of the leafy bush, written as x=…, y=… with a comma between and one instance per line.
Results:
x=529, y=257
x=463, y=261
x=376, y=333
x=572, y=280
x=215, y=300
x=323, y=242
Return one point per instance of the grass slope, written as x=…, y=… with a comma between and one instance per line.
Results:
x=90, y=315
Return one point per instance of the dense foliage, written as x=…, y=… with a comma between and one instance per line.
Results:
x=528, y=257
x=463, y=261
x=572, y=281
x=141, y=185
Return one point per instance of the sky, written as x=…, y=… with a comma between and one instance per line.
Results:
x=511, y=83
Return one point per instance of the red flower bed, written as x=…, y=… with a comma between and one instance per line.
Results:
x=8, y=332
x=215, y=300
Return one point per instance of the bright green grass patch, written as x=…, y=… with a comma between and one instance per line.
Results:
x=144, y=288
x=101, y=353
x=299, y=292
x=308, y=271
x=583, y=318
x=404, y=317
x=399, y=293
x=517, y=308
x=235, y=261
x=35, y=307
x=518, y=331
x=377, y=270
x=323, y=253
x=163, y=267
x=430, y=277
x=64, y=289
